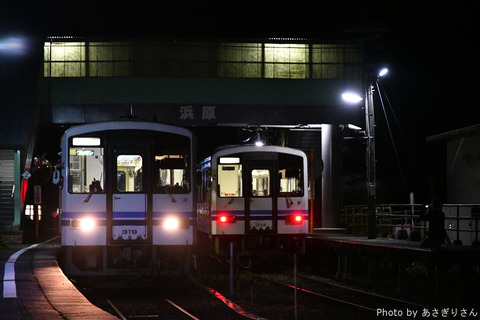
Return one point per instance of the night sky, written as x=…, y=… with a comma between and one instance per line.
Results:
x=429, y=49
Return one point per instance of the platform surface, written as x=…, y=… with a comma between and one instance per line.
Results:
x=34, y=287
x=469, y=254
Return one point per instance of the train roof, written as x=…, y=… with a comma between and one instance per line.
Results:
x=252, y=148
x=126, y=125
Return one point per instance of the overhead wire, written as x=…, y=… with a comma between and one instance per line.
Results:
x=407, y=145
x=392, y=139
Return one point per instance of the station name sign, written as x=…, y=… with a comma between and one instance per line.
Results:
x=203, y=114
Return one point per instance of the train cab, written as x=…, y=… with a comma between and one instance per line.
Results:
x=254, y=196
x=126, y=197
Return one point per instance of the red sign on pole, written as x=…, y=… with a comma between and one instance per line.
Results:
x=37, y=195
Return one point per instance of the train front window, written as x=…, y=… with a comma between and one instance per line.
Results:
x=171, y=167
x=129, y=173
x=230, y=178
x=290, y=172
x=260, y=182
x=171, y=174
x=86, y=173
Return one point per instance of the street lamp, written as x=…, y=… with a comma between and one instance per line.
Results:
x=13, y=46
x=370, y=152
x=351, y=97
x=382, y=72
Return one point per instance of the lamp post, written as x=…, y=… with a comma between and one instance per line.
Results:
x=371, y=170
x=371, y=163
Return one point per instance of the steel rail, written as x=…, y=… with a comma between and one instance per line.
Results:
x=375, y=295
x=181, y=309
x=330, y=298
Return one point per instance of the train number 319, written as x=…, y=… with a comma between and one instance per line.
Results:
x=129, y=231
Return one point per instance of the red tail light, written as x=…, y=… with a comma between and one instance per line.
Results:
x=292, y=219
x=226, y=218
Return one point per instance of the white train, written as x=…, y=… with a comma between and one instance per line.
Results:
x=127, y=204
x=254, y=197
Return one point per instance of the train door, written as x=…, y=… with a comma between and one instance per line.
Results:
x=260, y=197
x=130, y=194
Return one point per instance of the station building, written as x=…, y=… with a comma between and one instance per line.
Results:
x=462, y=181
x=292, y=86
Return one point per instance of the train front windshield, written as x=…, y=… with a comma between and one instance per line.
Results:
x=168, y=164
x=288, y=177
x=171, y=173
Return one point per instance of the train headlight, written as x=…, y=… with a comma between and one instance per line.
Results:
x=294, y=219
x=171, y=223
x=226, y=218
x=85, y=224
x=174, y=223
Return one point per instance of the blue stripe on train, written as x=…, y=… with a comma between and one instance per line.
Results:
x=259, y=214
x=79, y=215
x=123, y=215
x=66, y=223
x=124, y=219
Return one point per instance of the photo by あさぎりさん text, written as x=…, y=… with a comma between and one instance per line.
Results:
x=465, y=313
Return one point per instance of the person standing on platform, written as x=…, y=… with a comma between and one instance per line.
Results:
x=436, y=226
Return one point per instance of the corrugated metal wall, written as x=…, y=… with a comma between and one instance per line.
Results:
x=6, y=187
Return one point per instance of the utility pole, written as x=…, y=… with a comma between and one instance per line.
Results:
x=370, y=152
x=371, y=163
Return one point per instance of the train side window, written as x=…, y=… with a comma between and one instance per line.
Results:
x=129, y=173
x=260, y=182
x=86, y=172
x=230, y=180
x=203, y=185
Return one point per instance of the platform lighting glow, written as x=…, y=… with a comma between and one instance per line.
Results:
x=351, y=97
x=383, y=72
x=171, y=223
x=13, y=46
x=259, y=143
x=87, y=224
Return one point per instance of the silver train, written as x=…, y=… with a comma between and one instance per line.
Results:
x=127, y=205
x=253, y=197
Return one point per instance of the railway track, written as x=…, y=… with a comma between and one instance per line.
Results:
x=255, y=296
x=353, y=291
x=274, y=299
x=168, y=310
x=175, y=300
x=366, y=303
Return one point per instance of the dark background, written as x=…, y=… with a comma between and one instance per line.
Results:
x=428, y=47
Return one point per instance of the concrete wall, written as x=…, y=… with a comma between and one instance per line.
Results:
x=463, y=170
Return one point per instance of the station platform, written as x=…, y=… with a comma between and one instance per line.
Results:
x=363, y=240
x=445, y=252
x=436, y=276
x=34, y=287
